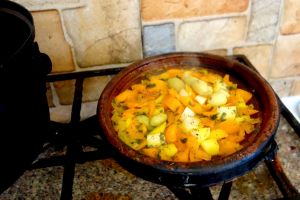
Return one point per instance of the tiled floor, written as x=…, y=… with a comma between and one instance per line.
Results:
x=106, y=179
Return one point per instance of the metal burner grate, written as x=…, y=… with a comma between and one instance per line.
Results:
x=77, y=134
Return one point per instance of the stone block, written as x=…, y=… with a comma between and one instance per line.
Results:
x=51, y=40
x=168, y=9
x=259, y=55
x=211, y=34
x=93, y=87
x=61, y=113
x=65, y=91
x=48, y=4
x=295, y=88
x=88, y=109
x=158, y=39
x=105, y=32
x=286, y=61
x=291, y=17
x=220, y=52
x=263, y=20
x=282, y=87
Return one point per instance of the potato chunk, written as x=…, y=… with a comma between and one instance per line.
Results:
x=210, y=146
x=218, y=99
x=227, y=112
x=156, y=137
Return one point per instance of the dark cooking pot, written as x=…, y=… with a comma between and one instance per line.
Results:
x=24, y=114
x=203, y=173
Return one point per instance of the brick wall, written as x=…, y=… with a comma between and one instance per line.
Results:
x=89, y=34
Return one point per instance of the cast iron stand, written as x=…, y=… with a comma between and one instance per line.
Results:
x=77, y=134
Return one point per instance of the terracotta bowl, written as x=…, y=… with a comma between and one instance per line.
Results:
x=264, y=99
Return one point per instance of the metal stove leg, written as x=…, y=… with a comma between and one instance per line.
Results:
x=225, y=191
x=74, y=147
x=277, y=172
x=69, y=172
x=282, y=181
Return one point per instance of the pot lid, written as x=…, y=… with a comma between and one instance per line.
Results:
x=17, y=29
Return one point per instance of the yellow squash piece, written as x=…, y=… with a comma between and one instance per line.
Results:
x=167, y=151
x=210, y=146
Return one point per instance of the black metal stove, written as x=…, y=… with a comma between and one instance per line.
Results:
x=78, y=134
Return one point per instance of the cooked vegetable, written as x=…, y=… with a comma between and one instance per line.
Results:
x=168, y=151
x=171, y=133
x=158, y=119
x=144, y=119
x=188, y=78
x=176, y=83
x=201, y=100
x=210, y=146
x=156, y=137
x=201, y=87
x=185, y=115
x=218, y=99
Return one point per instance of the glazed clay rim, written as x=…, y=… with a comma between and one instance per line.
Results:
x=266, y=133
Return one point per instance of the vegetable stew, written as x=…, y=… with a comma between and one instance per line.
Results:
x=185, y=115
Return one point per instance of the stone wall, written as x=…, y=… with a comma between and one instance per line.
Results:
x=90, y=34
